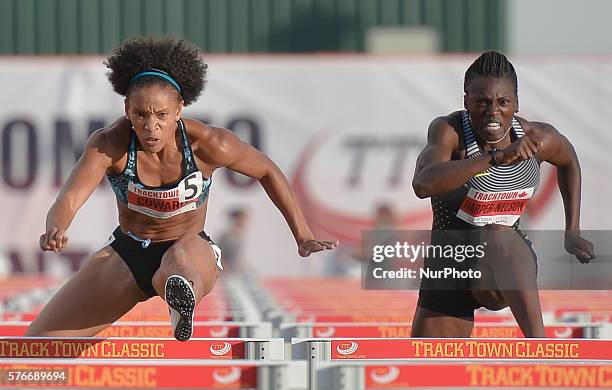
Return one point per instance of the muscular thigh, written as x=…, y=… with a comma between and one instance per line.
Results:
x=190, y=255
x=99, y=293
x=509, y=264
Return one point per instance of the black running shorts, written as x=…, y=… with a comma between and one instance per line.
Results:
x=144, y=257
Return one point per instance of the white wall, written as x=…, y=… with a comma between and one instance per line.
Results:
x=559, y=26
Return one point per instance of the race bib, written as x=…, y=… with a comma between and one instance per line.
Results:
x=167, y=203
x=504, y=208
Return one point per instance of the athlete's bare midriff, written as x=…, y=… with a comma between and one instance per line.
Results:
x=157, y=229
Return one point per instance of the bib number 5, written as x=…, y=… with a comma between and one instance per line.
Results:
x=190, y=187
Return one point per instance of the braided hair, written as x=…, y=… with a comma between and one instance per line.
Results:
x=180, y=60
x=491, y=64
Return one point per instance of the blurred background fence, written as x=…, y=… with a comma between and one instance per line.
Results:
x=242, y=26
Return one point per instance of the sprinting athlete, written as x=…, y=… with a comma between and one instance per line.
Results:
x=160, y=166
x=480, y=167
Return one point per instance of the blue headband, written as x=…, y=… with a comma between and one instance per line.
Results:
x=157, y=73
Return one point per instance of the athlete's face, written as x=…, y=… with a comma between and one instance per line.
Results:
x=491, y=103
x=154, y=111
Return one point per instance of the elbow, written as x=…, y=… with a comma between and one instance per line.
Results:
x=269, y=177
x=421, y=190
x=265, y=177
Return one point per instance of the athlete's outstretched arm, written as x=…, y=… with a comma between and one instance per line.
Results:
x=83, y=179
x=557, y=150
x=225, y=149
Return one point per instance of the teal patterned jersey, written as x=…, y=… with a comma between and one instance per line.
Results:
x=166, y=201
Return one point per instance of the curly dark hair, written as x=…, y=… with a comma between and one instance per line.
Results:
x=491, y=64
x=181, y=60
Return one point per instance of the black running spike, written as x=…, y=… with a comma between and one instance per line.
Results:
x=180, y=297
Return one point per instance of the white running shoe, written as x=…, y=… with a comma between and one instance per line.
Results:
x=181, y=305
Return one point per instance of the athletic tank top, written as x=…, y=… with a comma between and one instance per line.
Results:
x=498, y=195
x=165, y=201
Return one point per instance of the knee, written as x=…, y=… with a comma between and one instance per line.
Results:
x=176, y=257
x=175, y=261
x=37, y=331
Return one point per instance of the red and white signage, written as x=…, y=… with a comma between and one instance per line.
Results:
x=477, y=349
x=121, y=348
x=504, y=208
x=166, y=203
x=529, y=376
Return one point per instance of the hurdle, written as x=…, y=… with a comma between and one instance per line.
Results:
x=402, y=330
x=342, y=363
x=378, y=375
x=140, y=348
x=28, y=316
x=231, y=329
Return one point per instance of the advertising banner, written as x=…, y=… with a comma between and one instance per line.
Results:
x=345, y=130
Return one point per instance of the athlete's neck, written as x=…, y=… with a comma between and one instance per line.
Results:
x=504, y=141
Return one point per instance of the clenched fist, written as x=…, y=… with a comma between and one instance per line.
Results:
x=54, y=239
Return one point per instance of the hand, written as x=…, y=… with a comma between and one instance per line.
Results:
x=520, y=150
x=305, y=248
x=578, y=246
x=53, y=240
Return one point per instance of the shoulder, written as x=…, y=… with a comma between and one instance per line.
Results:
x=552, y=142
x=538, y=131
x=203, y=135
x=209, y=141
x=112, y=139
x=446, y=129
